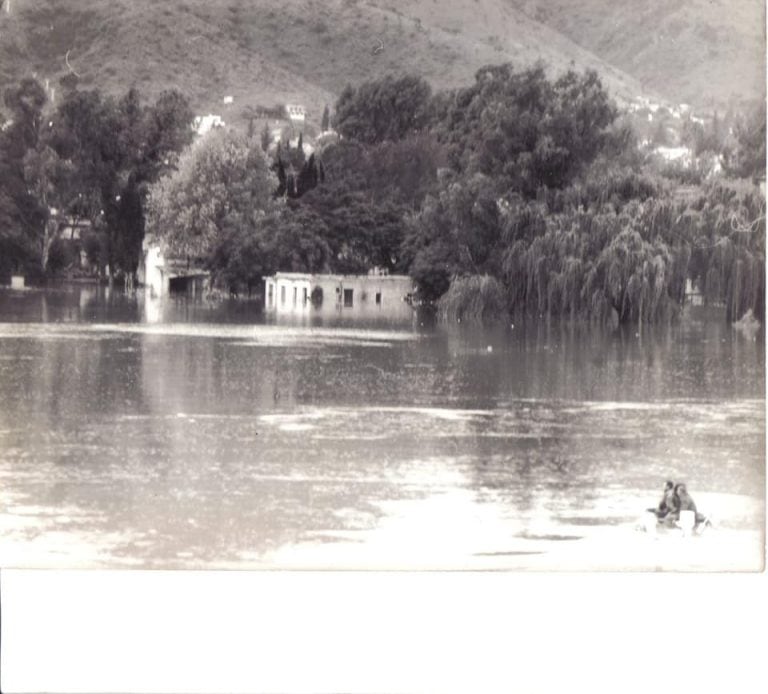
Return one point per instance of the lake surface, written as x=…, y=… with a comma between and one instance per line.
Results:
x=135, y=433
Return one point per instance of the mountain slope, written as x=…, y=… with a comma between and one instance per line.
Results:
x=704, y=52
x=276, y=51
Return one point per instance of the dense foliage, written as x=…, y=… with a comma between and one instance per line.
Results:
x=221, y=184
x=92, y=159
x=384, y=109
x=525, y=129
x=517, y=194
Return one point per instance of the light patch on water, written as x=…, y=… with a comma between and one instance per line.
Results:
x=317, y=479
x=314, y=343
x=283, y=419
x=440, y=531
x=43, y=511
x=265, y=335
x=35, y=536
x=351, y=437
x=450, y=531
x=609, y=406
x=453, y=415
x=191, y=416
x=617, y=407
x=63, y=549
x=252, y=335
x=297, y=426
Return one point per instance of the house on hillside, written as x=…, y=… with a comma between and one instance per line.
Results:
x=297, y=115
x=377, y=294
x=327, y=137
x=204, y=124
x=680, y=155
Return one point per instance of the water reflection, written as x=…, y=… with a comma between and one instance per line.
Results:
x=196, y=434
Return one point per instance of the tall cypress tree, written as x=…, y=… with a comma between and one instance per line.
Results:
x=325, y=123
x=266, y=137
x=281, y=177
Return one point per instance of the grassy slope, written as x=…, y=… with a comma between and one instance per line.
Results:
x=275, y=51
x=696, y=51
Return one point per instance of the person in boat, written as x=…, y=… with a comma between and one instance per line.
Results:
x=669, y=504
x=686, y=503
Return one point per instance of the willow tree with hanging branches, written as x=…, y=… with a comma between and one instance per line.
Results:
x=589, y=266
x=474, y=298
x=549, y=198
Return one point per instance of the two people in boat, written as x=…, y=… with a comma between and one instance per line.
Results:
x=675, y=498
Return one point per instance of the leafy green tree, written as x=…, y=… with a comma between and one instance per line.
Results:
x=240, y=257
x=385, y=109
x=35, y=183
x=361, y=232
x=748, y=156
x=480, y=298
x=660, y=136
x=222, y=182
x=251, y=114
x=705, y=138
x=348, y=161
x=117, y=148
x=692, y=135
x=25, y=104
x=525, y=129
x=401, y=171
x=406, y=170
x=47, y=177
x=147, y=141
x=15, y=250
x=296, y=241
x=458, y=231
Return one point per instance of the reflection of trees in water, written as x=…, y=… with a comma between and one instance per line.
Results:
x=206, y=375
x=70, y=457
x=70, y=381
x=215, y=484
x=551, y=359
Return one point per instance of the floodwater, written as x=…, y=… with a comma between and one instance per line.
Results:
x=207, y=435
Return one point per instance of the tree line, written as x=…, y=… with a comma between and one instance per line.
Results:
x=92, y=158
x=517, y=194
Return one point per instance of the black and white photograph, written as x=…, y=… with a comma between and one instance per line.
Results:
x=382, y=285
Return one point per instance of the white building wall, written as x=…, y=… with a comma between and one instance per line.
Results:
x=361, y=296
x=151, y=271
x=292, y=294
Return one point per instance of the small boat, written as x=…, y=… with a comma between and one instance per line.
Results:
x=687, y=523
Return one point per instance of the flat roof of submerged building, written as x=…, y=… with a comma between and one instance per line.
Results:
x=321, y=276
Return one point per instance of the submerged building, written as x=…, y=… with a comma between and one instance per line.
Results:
x=161, y=274
x=376, y=294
